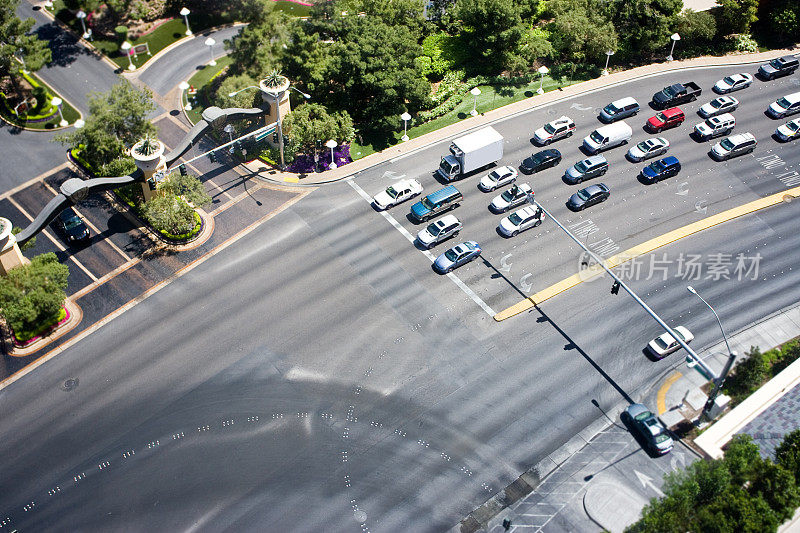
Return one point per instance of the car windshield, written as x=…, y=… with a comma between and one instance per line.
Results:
x=435, y=228
x=537, y=159
x=583, y=195
x=783, y=102
x=494, y=176
x=793, y=125
x=596, y=137
x=727, y=144
x=515, y=219
x=775, y=63
x=451, y=254
x=728, y=80
x=668, y=91
x=507, y=196
x=427, y=203
x=391, y=192
x=660, y=117
x=658, y=166
x=644, y=415
x=581, y=166
x=717, y=103
x=549, y=128
x=72, y=223
x=662, y=437
x=662, y=345
x=611, y=109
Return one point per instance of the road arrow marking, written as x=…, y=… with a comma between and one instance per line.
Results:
x=392, y=175
x=648, y=481
x=701, y=207
x=683, y=188
x=505, y=266
x=579, y=107
x=526, y=287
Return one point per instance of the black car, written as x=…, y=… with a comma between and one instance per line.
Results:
x=593, y=194
x=71, y=227
x=540, y=161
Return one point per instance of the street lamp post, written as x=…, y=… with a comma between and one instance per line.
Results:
x=210, y=42
x=229, y=130
x=675, y=38
x=126, y=47
x=183, y=86
x=56, y=101
x=475, y=92
x=405, y=117
x=332, y=144
x=609, y=53
x=542, y=70
x=719, y=380
x=185, y=14
x=81, y=15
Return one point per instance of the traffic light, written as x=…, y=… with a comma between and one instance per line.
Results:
x=615, y=288
x=275, y=138
x=212, y=156
x=319, y=144
x=151, y=183
x=182, y=169
x=238, y=145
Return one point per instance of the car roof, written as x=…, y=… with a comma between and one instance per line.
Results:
x=447, y=220
x=672, y=111
x=550, y=152
x=443, y=193
x=794, y=97
x=722, y=117
x=68, y=213
x=670, y=160
x=505, y=169
x=741, y=137
x=527, y=211
x=596, y=187
x=624, y=101
x=561, y=119
x=636, y=409
x=595, y=160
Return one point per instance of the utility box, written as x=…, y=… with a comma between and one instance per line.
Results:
x=471, y=152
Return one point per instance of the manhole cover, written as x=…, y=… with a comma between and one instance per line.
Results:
x=361, y=516
x=70, y=384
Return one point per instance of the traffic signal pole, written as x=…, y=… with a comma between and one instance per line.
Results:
x=619, y=283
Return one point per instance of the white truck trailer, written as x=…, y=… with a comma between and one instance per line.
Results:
x=471, y=152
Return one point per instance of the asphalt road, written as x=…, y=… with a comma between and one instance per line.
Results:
x=318, y=375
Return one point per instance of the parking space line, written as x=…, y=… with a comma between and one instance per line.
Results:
x=403, y=231
x=55, y=241
x=647, y=247
x=114, y=273
x=233, y=201
x=92, y=226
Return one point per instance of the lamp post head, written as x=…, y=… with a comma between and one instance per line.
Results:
x=543, y=70
x=228, y=128
x=210, y=41
x=79, y=123
x=183, y=85
x=331, y=144
x=475, y=91
x=610, y=52
x=675, y=37
x=184, y=11
x=81, y=14
x=125, y=46
x=691, y=289
x=56, y=101
x=405, y=116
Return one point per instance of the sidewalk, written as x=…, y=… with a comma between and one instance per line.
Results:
x=261, y=170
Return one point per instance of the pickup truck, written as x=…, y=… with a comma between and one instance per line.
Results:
x=677, y=93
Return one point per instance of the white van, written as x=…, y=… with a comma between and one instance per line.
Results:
x=607, y=137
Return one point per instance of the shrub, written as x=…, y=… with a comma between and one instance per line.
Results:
x=170, y=214
x=750, y=373
x=121, y=166
x=445, y=51
x=743, y=42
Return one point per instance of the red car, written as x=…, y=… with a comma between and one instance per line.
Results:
x=669, y=118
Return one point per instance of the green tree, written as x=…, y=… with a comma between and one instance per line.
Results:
x=736, y=16
x=697, y=30
x=307, y=59
x=32, y=295
x=245, y=99
x=311, y=122
x=580, y=31
x=187, y=187
x=788, y=453
x=121, y=166
x=170, y=214
x=644, y=26
x=259, y=46
x=15, y=39
x=784, y=20
x=776, y=485
x=492, y=30
x=117, y=119
x=395, y=12
x=736, y=511
x=750, y=373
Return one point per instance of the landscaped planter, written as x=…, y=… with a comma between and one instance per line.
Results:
x=47, y=330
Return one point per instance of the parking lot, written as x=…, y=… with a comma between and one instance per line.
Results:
x=512, y=267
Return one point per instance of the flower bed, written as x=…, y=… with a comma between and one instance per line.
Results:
x=304, y=163
x=26, y=338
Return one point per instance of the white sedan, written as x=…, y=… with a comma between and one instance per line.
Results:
x=648, y=148
x=665, y=344
x=520, y=220
x=516, y=195
x=729, y=84
x=554, y=130
x=498, y=178
x=789, y=131
x=401, y=191
x=719, y=105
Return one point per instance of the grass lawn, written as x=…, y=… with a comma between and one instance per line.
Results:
x=70, y=113
x=491, y=97
x=199, y=80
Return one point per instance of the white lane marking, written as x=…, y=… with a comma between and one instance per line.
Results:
x=403, y=231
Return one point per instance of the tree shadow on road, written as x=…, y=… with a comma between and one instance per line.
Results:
x=64, y=45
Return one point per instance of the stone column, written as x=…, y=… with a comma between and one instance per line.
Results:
x=10, y=256
x=149, y=165
x=273, y=94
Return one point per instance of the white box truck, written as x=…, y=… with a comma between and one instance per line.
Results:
x=471, y=152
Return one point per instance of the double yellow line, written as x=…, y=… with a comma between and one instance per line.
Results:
x=647, y=247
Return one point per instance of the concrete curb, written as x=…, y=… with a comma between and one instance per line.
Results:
x=530, y=104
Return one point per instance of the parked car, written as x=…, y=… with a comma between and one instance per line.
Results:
x=665, y=344
x=457, y=256
x=735, y=145
x=789, y=131
x=591, y=167
x=783, y=107
x=717, y=106
x=498, y=178
x=71, y=227
x=398, y=192
x=554, y=130
x=439, y=231
x=669, y=118
x=619, y=109
x=661, y=169
x=516, y=195
x=650, y=428
x=591, y=195
x=677, y=93
x=780, y=66
x=715, y=126
x=520, y=220
x=540, y=161
x=436, y=202
x=736, y=82
x=648, y=148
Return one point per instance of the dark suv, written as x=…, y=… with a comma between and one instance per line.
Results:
x=780, y=66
